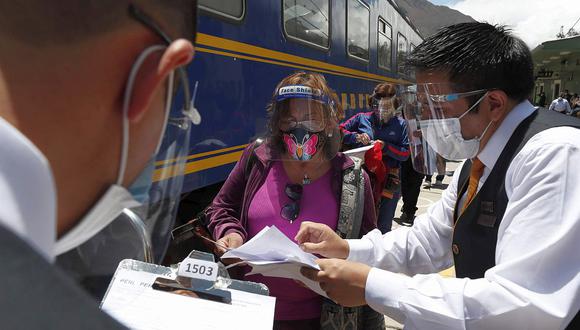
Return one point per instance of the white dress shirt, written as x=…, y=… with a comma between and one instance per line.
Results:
x=27, y=191
x=535, y=283
x=560, y=105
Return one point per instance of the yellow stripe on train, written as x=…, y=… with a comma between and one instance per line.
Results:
x=314, y=65
x=196, y=166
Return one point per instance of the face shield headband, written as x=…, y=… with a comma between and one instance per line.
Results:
x=307, y=124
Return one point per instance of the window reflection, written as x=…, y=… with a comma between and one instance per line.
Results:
x=229, y=8
x=358, y=29
x=401, y=52
x=307, y=20
x=384, y=44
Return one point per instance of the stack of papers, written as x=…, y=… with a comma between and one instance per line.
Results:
x=359, y=152
x=271, y=253
x=132, y=301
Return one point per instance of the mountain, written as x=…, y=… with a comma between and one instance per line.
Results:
x=428, y=18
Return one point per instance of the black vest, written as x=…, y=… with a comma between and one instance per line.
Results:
x=475, y=230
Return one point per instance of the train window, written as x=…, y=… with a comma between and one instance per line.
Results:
x=357, y=29
x=385, y=44
x=402, y=51
x=307, y=21
x=233, y=9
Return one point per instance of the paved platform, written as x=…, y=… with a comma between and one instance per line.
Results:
x=426, y=198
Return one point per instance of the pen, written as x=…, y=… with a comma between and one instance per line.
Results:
x=216, y=243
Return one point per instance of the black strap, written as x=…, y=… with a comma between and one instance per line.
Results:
x=252, y=158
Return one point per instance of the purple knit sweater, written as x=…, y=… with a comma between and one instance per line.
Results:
x=229, y=210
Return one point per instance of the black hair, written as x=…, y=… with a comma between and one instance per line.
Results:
x=478, y=56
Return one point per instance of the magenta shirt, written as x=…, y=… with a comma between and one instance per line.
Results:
x=319, y=204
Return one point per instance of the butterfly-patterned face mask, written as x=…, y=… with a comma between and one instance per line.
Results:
x=301, y=144
x=307, y=121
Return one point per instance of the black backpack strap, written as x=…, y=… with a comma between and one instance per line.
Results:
x=252, y=158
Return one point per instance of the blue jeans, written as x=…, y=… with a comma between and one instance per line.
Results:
x=387, y=208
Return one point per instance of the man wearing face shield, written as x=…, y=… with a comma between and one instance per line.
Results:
x=82, y=121
x=508, y=220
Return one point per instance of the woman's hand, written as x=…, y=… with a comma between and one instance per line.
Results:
x=230, y=241
x=363, y=138
x=321, y=239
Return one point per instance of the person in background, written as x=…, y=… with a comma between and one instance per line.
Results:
x=542, y=100
x=440, y=163
x=560, y=105
x=69, y=99
x=381, y=124
x=411, y=179
x=575, y=105
x=567, y=95
x=295, y=171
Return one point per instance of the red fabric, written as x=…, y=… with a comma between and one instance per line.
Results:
x=375, y=165
x=399, y=152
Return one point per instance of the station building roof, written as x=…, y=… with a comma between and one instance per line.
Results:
x=553, y=55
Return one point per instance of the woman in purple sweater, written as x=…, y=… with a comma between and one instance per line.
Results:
x=295, y=176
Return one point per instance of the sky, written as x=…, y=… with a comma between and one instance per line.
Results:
x=535, y=21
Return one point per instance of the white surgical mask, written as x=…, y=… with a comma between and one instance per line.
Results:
x=444, y=136
x=117, y=198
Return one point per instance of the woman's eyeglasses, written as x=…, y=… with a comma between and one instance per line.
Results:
x=291, y=210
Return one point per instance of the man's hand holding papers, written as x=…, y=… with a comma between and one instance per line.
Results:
x=271, y=253
x=322, y=240
x=343, y=281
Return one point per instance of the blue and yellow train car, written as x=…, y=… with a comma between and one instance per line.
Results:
x=244, y=48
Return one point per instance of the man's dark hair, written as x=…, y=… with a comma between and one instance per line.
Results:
x=478, y=56
x=46, y=23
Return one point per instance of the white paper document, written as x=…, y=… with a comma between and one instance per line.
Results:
x=271, y=253
x=359, y=152
x=132, y=301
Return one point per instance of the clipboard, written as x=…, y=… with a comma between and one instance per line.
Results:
x=148, y=296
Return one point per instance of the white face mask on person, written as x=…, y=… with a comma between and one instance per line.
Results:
x=385, y=109
x=386, y=114
x=117, y=198
x=444, y=136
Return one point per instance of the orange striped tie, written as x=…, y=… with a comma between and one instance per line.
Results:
x=474, y=176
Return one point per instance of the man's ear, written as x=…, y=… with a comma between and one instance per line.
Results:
x=498, y=104
x=153, y=74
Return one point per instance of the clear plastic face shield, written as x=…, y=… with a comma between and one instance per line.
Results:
x=384, y=108
x=432, y=129
x=135, y=222
x=304, y=125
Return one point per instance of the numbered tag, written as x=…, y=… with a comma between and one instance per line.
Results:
x=196, y=268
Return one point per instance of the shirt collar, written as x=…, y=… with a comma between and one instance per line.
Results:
x=27, y=191
x=500, y=137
